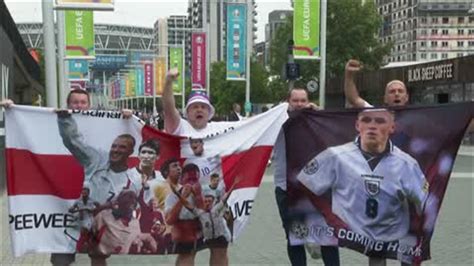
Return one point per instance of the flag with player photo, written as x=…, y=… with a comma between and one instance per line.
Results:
x=372, y=180
x=95, y=182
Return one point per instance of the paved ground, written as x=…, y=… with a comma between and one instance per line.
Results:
x=263, y=242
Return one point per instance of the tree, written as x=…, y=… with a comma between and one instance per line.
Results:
x=351, y=33
x=226, y=92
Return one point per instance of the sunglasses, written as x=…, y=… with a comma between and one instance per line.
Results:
x=377, y=120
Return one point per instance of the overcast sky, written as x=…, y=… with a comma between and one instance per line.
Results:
x=139, y=13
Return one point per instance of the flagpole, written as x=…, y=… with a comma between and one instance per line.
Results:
x=62, y=83
x=49, y=54
x=183, y=89
x=322, y=69
x=248, y=56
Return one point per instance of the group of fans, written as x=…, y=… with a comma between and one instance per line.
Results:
x=182, y=207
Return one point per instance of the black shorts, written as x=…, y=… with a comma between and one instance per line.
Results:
x=188, y=247
x=62, y=258
x=219, y=242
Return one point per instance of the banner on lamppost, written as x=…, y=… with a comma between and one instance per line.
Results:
x=176, y=61
x=132, y=79
x=139, y=81
x=127, y=86
x=198, y=74
x=160, y=71
x=148, y=79
x=123, y=87
x=85, y=4
x=306, y=29
x=236, y=41
x=78, y=69
x=79, y=34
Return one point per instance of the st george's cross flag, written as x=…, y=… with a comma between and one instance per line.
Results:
x=75, y=182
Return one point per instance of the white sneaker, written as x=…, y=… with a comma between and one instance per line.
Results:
x=314, y=250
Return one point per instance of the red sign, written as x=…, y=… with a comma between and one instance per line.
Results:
x=148, y=79
x=198, y=61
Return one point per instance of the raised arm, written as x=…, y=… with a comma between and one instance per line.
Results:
x=227, y=194
x=87, y=156
x=350, y=90
x=171, y=114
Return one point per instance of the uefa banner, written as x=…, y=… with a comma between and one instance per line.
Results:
x=198, y=66
x=79, y=34
x=372, y=180
x=78, y=69
x=176, y=61
x=140, y=81
x=160, y=72
x=77, y=182
x=236, y=41
x=85, y=4
x=123, y=87
x=148, y=79
x=128, y=89
x=306, y=29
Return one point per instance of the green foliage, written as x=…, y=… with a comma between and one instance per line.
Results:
x=351, y=33
x=353, y=28
x=226, y=92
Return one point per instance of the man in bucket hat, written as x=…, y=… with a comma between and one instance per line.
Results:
x=199, y=111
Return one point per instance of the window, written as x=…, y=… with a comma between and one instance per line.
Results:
x=424, y=20
x=434, y=44
x=461, y=32
x=471, y=19
x=444, y=55
x=470, y=32
x=444, y=44
x=434, y=56
x=423, y=56
x=445, y=20
x=423, y=32
x=470, y=43
x=459, y=55
x=434, y=20
x=460, y=44
x=434, y=31
x=423, y=44
x=460, y=20
x=444, y=32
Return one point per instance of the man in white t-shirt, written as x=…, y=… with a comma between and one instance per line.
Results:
x=198, y=113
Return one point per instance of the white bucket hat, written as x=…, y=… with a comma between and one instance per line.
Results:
x=200, y=97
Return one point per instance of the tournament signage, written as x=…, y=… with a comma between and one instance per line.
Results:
x=176, y=61
x=378, y=196
x=78, y=69
x=79, y=34
x=148, y=72
x=52, y=214
x=140, y=82
x=109, y=62
x=443, y=71
x=198, y=66
x=160, y=72
x=306, y=29
x=236, y=41
x=85, y=4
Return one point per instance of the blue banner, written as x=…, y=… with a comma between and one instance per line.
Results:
x=236, y=41
x=78, y=69
x=140, y=82
x=109, y=62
